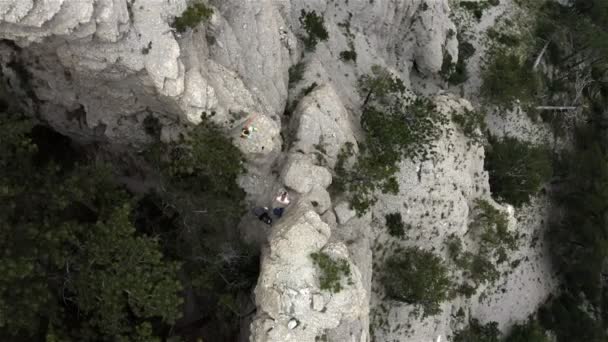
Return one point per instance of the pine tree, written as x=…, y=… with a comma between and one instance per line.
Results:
x=73, y=265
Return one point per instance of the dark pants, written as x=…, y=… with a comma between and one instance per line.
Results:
x=278, y=212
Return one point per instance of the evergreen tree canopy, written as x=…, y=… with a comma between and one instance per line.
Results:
x=579, y=240
x=530, y=331
x=73, y=265
x=417, y=277
x=477, y=332
x=517, y=169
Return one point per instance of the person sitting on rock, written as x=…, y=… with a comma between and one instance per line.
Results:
x=278, y=212
x=282, y=201
x=283, y=198
x=248, y=128
x=247, y=131
x=262, y=214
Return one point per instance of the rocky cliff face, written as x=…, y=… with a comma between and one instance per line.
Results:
x=100, y=70
x=291, y=304
x=120, y=60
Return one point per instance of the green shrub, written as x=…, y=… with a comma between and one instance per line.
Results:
x=395, y=225
x=348, y=55
x=314, y=25
x=530, y=331
x=477, y=7
x=506, y=39
x=407, y=127
x=396, y=127
x=193, y=15
x=506, y=78
x=478, y=268
x=578, y=240
x=332, y=271
x=404, y=130
x=205, y=161
x=417, y=277
x=309, y=89
x=152, y=127
x=517, y=169
x=296, y=99
x=379, y=85
x=454, y=246
x=476, y=332
x=577, y=236
x=492, y=226
x=296, y=73
x=472, y=123
x=570, y=321
x=196, y=213
x=456, y=73
x=341, y=174
x=467, y=290
x=199, y=176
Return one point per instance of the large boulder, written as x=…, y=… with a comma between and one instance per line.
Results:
x=322, y=125
x=301, y=175
x=291, y=304
x=435, y=36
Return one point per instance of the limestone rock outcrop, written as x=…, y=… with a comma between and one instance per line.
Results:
x=322, y=125
x=436, y=199
x=120, y=61
x=301, y=175
x=291, y=304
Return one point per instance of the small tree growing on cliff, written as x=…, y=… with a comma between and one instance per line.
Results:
x=517, y=169
x=192, y=17
x=90, y=275
x=530, y=331
x=378, y=84
x=478, y=332
x=397, y=126
x=395, y=225
x=205, y=161
x=506, y=78
x=332, y=271
x=314, y=25
x=417, y=277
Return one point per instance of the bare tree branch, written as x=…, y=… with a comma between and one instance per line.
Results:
x=556, y=107
x=540, y=55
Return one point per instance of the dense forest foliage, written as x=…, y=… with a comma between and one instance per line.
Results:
x=571, y=44
x=73, y=265
x=84, y=259
x=578, y=38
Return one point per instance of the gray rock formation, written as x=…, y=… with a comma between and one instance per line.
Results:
x=291, y=304
x=322, y=125
x=436, y=199
x=120, y=60
x=301, y=175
